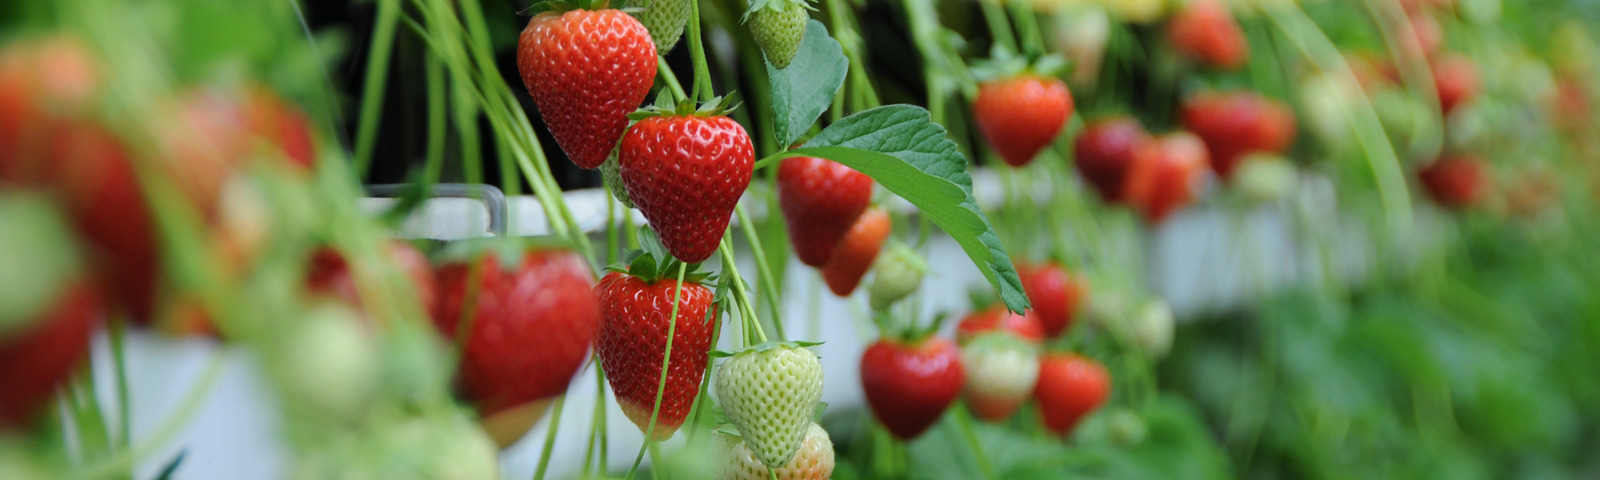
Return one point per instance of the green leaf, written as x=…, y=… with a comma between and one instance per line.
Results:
x=801, y=92
x=901, y=148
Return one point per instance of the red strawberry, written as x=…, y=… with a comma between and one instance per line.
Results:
x=42, y=81
x=1456, y=79
x=1069, y=388
x=330, y=274
x=686, y=173
x=996, y=317
x=1056, y=296
x=1238, y=123
x=586, y=70
x=1206, y=31
x=282, y=125
x=855, y=254
x=909, y=385
x=1164, y=175
x=34, y=362
x=821, y=200
x=633, y=339
x=530, y=330
x=95, y=180
x=1455, y=182
x=1021, y=115
x=1103, y=153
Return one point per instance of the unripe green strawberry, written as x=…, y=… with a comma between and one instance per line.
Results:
x=896, y=274
x=664, y=19
x=814, y=460
x=611, y=174
x=1001, y=372
x=778, y=26
x=769, y=393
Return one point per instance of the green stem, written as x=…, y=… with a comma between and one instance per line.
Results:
x=964, y=420
x=705, y=382
x=1027, y=28
x=769, y=283
x=376, y=80
x=665, y=72
x=697, y=52
x=999, y=27
x=748, y=311
x=436, y=118
x=597, y=426
x=187, y=407
x=666, y=366
x=119, y=333
x=550, y=437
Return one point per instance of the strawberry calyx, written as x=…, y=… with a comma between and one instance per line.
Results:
x=713, y=107
x=561, y=6
x=1004, y=64
x=763, y=347
x=773, y=5
x=908, y=332
x=652, y=262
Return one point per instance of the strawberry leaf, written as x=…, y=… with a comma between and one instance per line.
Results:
x=801, y=92
x=901, y=148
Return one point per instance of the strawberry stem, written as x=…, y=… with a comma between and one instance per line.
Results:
x=597, y=427
x=697, y=51
x=747, y=311
x=999, y=27
x=666, y=364
x=769, y=285
x=119, y=333
x=184, y=411
x=667, y=77
x=964, y=421
x=373, y=85
x=550, y=437
x=1027, y=29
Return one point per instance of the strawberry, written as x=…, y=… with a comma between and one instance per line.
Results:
x=1206, y=31
x=42, y=81
x=1164, y=175
x=778, y=26
x=1237, y=123
x=586, y=70
x=1427, y=34
x=329, y=274
x=1455, y=182
x=770, y=393
x=1103, y=153
x=664, y=19
x=97, y=185
x=814, y=460
x=1056, y=296
x=1069, y=387
x=1001, y=371
x=282, y=126
x=636, y=319
x=47, y=308
x=896, y=274
x=996, y=317
x=1455, y=77
x=1021, y=115
x=1151, y=327
x=529, y=325
x=910, y=384
x=856, y=252
x=686, y=173
x=821, y=200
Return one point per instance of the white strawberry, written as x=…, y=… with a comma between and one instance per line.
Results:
x=813, y=461
x=1001, y=371
x=770, y=392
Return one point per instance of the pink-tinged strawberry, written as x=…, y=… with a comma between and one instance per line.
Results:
x=635, y=330
x=1069, y=388
x=1001, y=371
x=856, y=252
x=1206, y=31
x=1455, y=77
x=686, y=173
x=329, y=274
x=530, y=325
x=1103, y=153
x=47, y=308
x=909, y=385
x=1238, y=123
x=1165, y=174
x=821, y=200
x=1056, y=296
x=586, y=70
x=42, y=81
x=1426, y=34
x=735, y=461
x=1456, y=182
x=282, y=126
x=997, y=318
x=1021, y=115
